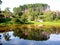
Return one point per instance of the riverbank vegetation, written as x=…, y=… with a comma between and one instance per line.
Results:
x=30, y=14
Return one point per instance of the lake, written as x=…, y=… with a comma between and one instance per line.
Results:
x=29, y=35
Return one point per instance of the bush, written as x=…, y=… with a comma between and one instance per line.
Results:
x=2, y=20
x=18, y=21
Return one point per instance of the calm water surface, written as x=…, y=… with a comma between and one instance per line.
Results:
x=30, y=36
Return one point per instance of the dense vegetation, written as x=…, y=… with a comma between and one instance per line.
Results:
x=30, y=12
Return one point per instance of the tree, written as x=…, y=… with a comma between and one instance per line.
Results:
x=7, y=13
x=47, y=15
x=29, y=12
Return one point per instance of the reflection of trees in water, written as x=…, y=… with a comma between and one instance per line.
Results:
x=31, y=34
x=7, y=36
x=36, y=33
x=55, y=30
x=0, y=40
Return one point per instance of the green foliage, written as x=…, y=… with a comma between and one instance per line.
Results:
x=24, y=18
x=47, y=16
x=3, y=20
x=30, y=12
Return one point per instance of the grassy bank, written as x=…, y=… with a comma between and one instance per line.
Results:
x=47, y=23
x=51, y=23
x=33, y=22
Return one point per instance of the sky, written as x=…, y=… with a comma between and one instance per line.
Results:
x=54, y=4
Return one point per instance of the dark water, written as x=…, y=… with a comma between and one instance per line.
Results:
x=30, y=36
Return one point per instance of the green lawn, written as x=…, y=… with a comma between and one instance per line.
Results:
x=47, y=23
x=51, y=23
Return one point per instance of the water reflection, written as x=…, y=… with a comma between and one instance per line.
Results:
x=31, y=34
x=0, y=40
x=6, y=36
x=34, y=32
